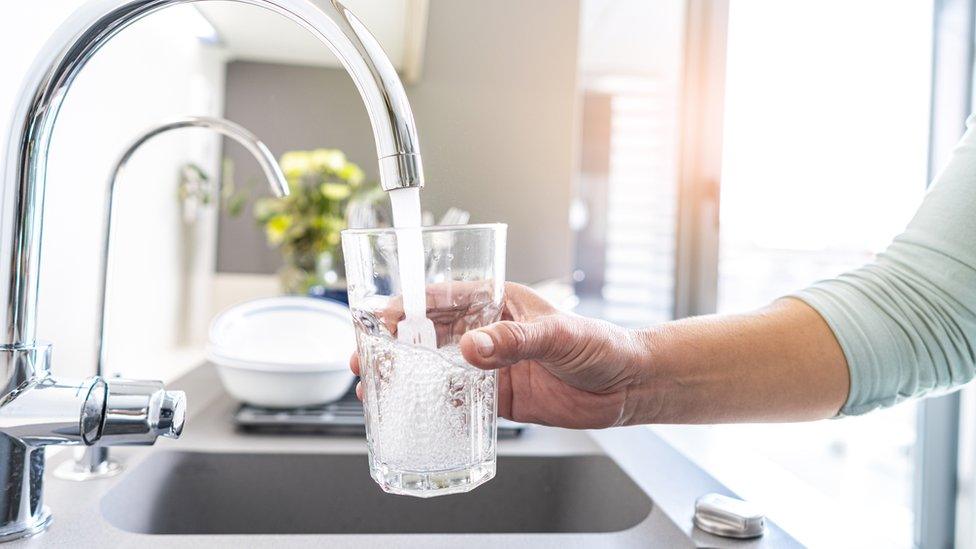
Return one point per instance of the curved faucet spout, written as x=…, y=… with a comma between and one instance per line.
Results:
x=272, y=172
x=73, y=45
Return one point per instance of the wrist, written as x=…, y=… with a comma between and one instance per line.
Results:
x=644, y=403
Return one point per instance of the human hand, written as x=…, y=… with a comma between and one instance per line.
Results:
x=554, y=368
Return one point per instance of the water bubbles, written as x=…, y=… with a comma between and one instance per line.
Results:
x=433, y=411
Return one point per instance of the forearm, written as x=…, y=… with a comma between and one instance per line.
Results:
x=782, y=363
x=900, y=327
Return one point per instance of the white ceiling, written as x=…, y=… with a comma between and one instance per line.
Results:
x=251, y=33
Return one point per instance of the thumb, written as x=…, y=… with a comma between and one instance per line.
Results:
x=505, y=343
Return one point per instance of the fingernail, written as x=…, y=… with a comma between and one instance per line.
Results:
x=484, y=343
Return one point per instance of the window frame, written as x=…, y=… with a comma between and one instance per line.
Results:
x=936, y=487
x=700, y=120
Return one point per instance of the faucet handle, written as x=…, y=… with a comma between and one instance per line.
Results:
x=138, y=412
x=172, y=414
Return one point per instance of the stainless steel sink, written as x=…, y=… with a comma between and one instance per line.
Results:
x=224, y=493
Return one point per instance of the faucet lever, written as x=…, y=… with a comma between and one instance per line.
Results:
x=138, y=412
x=115, y=412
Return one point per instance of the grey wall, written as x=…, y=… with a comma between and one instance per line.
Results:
x=495, y=112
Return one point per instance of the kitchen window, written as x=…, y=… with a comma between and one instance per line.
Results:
x=630, y=78
x=821, y=161
x=816, y=133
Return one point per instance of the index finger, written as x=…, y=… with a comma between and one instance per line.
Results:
x=354, y=362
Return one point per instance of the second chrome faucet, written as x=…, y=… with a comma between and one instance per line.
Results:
x=93, y=462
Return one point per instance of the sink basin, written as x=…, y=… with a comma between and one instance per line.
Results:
x=223, y=493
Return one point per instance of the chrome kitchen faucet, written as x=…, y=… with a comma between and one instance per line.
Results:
x=38, y=409
x=93, y=462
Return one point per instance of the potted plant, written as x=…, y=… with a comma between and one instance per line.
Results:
x=306, y=224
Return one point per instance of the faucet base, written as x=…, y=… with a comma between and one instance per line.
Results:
x=72, y=470
x=25, y=529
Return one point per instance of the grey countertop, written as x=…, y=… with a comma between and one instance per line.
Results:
x=671, y=480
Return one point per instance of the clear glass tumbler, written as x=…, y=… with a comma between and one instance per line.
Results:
x=431, y=418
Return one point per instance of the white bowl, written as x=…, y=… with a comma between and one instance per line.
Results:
x=284, y=352
x=272, y=389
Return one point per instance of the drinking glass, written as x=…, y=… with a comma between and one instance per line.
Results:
x=431, y=417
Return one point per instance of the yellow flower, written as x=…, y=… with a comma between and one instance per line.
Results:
x=296, y=163
x=335, y=191
x=277, y=227
x=331, y=160
x=352, y=173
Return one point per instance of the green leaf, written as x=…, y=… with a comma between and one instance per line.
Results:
x=265, y=208
x=236, y=203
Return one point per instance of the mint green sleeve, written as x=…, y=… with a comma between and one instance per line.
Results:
x=907, y=321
